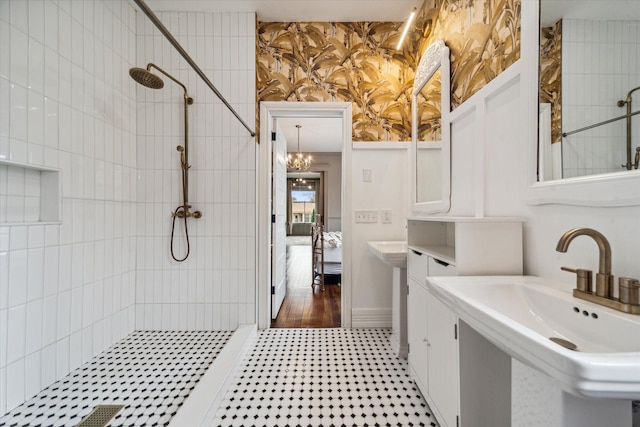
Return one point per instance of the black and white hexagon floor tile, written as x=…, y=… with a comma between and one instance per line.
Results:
x=323, y=377
x=151, y=373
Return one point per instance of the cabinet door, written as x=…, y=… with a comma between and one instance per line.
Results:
x=443, y=369
x=417, y=332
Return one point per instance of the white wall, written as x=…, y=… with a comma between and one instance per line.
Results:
x=600, y=60
x=66, y=290
x=388, y=189
x=215, y=287
x=331, y=164
x=490, y=146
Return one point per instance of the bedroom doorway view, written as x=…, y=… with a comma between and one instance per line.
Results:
x=311, y=215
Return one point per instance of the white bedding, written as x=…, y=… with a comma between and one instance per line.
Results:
x=332, y=239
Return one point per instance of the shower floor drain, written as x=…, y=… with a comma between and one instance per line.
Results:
x=100, y=416
x=564, y=343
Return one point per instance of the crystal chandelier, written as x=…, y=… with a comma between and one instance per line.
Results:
x=298, y=161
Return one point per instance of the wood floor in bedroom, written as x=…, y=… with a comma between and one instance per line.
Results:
x=306, y=306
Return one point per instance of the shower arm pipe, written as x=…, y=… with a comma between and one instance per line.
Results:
x=184, y=153
x=143, y=6
x=184, y=88
x=615, y=119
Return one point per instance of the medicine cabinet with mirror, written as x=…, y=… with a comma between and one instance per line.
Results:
x=588, y=64
x=430, y=135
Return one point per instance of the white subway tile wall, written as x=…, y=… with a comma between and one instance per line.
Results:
x=592, y=84
x=67, y=291
x=215, y=287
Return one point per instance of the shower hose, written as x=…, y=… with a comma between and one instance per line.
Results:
x=184, y=217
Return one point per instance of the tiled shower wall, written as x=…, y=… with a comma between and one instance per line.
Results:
x=600, y=62
x=215, y=287
x=66, y=290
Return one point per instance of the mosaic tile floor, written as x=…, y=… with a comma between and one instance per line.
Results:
x=323, y=377
x=150, y=372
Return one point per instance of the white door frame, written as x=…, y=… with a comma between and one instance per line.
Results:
x=268, y=112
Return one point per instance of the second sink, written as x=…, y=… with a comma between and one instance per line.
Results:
x=393, y=253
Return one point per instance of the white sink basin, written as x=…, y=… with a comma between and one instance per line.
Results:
x=519, y=314
x=393, y=253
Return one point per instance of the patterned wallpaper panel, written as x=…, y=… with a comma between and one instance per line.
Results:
x=483, y=36
x=354, y=62
x=358, y=61
x=551, y=75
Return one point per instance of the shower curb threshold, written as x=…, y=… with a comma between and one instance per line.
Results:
x=200, y=408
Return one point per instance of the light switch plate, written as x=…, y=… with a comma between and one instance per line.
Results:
x=366, y=175
x=386, y=216
x=366, y=216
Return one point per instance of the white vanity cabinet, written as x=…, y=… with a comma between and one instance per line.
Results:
x=449, y=246
x=442, y=356
x=417, y=333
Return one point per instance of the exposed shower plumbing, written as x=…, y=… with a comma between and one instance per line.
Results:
x=146, y=78
x=621, y=104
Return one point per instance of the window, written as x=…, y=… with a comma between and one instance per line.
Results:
x=303, y=202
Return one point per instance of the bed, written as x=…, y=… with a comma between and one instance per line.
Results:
x=326, y=253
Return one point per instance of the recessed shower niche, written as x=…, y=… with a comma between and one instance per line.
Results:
x=29, y=194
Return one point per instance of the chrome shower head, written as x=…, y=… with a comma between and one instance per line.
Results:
x=146, y=78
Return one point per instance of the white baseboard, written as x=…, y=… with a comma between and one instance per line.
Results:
x=370, y=318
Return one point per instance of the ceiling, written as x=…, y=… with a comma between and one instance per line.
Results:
x=299, y=10
x=317, y=135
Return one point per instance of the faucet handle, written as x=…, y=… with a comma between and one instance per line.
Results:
x=584, y=278
x=628, y=290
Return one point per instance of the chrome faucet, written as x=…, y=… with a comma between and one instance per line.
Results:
x=629, y=289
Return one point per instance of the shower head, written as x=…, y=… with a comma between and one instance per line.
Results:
x=150, y=80
x=146, y=78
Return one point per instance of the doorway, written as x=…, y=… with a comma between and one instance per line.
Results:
x=270, y=112
x=313, y=200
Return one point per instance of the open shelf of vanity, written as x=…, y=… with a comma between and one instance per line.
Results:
x=438, y=358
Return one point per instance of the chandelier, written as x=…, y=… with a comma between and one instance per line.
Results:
x=301, y=183
x=298, y=161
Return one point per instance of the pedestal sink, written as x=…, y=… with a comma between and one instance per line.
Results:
x=394, y=253
x=533, y=321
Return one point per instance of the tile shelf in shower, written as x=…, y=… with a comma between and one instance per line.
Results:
x=29, y=194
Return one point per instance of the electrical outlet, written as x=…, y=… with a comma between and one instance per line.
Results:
x=366, y=216
x=366, y=175
x=386, y=216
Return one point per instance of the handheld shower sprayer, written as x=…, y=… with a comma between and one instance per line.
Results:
x=148, y=79
x=184, y=164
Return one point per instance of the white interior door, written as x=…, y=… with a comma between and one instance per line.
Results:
x=279, y=223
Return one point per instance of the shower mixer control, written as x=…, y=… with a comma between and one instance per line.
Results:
x=185, y=213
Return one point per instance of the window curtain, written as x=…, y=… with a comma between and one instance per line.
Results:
x=320, y=199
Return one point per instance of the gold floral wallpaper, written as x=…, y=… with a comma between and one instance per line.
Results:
x=551, y=75
x=352, y=61
x=483, y=36
x=358, y=62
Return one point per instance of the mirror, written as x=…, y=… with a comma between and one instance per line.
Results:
x=621, y=188
x=430, y=106
x=588, y=69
